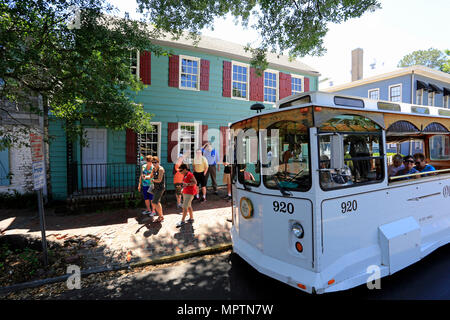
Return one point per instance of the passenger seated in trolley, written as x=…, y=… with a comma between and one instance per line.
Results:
x=408, y=162
x=421, y=165
x=397, y=165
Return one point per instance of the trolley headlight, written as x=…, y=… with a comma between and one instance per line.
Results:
x=297, y=230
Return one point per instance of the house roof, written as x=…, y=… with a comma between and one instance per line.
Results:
x=421, y=70
x=235, y=51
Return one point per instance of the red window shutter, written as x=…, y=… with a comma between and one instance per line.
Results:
x=306, y=84
x=224, y=141
x=145, y=67
x=204, y=137
x=256, y=86
x=172, y=140
x=174, y=70
x=131, y=147
x=226, y=91
x=204, y=75
x=285, y=85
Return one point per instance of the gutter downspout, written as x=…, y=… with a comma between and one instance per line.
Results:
x=412, y=87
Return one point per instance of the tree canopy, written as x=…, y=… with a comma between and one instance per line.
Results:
x=431, y=58
x=293, y=27
x=82, y=69
x=77, y=57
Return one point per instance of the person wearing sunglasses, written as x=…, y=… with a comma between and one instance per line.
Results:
x=408, y=162
x=421, y=165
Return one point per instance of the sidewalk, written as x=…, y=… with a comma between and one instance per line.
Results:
x=124, y=236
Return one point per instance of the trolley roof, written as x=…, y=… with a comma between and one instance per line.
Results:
x=338, y=101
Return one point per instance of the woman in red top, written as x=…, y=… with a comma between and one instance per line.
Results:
x=189, y=191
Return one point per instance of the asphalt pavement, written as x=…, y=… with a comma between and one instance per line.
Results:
x=226, y=276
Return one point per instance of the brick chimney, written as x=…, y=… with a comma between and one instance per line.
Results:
x=357, y=64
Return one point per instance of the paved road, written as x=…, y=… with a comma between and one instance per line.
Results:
x=226, y=276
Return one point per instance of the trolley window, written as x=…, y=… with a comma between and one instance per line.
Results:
x=247, y=157
x=285, y=156
x=440, y=147
x=350, y=152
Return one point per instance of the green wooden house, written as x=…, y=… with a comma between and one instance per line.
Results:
x=196, y=92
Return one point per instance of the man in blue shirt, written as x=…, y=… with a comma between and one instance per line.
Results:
x=213, y=160
x=408, y=162
x=421, y=165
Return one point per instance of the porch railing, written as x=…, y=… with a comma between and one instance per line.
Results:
x=101, y=178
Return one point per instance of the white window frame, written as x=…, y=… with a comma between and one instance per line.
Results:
x=277, y=89
x=181, y=57
x=138, y=58
x=446, y=101
x=373, y=90
x=303, y=83
x=235, y=63
x=432, y=95
x=159, y=125
x=395, y=85
x=197, y=144
x=421, y=96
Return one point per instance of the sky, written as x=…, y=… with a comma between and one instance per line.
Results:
x=386, y=36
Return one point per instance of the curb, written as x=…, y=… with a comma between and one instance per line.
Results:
x=161, y=260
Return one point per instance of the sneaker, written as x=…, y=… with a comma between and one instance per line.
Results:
x=146, y=212
x=179, y=224
x=202, y=199
x=152, y=214
x=190, y=220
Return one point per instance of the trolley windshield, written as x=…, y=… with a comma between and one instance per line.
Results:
x=285, y=150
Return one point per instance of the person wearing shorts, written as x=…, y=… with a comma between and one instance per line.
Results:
x=227, y=177
x=200, y=170
x=158, y=187
x=144, y=185
x=189, y=191
x=178, y=180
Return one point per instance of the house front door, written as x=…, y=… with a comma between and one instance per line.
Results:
x=94, y=159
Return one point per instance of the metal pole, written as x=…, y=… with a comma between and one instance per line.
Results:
x=42, y=222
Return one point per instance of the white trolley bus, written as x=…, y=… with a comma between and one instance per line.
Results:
x=313, y=205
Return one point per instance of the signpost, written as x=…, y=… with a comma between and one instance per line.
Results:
x=38, y=160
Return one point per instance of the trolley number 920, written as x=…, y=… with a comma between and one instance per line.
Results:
x=349, y=206
x=283, y=207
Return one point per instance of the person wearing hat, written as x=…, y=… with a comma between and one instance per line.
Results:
x=189, y=191
x=408, y=162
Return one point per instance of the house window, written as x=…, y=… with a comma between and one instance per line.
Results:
x=431, y=96
x=419, y=97
x=134, y=63
x=446, y=102
x=270, y=86
x=187, y=143
x=189, y=73
x=239, y=81
x=374, y=94
x=395, y=93
x=296, y=84
x=150, y=142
